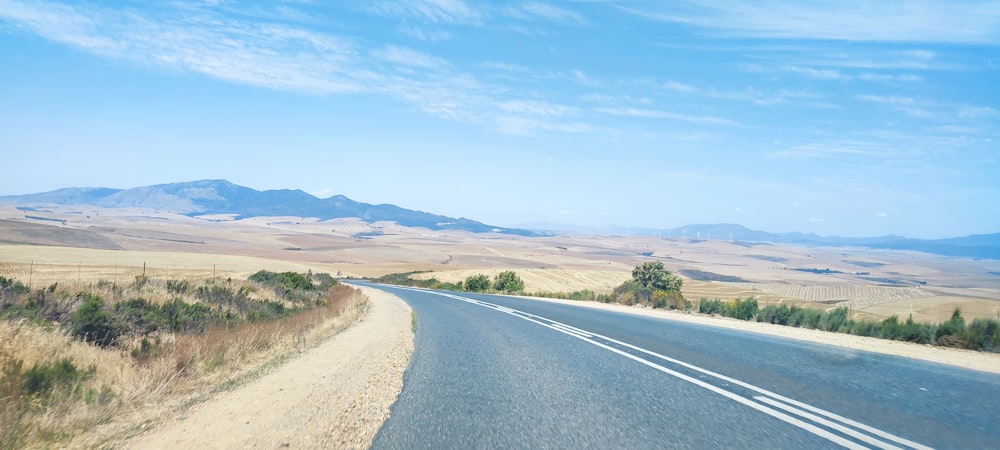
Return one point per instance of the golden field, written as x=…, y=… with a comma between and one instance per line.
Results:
x=115, y=244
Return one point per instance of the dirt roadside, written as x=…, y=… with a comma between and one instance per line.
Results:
x=333, y=396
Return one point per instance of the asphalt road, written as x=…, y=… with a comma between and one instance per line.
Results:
x=503, y=372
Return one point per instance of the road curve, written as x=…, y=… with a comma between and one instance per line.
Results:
x=502, y=372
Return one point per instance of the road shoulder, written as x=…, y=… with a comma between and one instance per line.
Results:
x=335, y=395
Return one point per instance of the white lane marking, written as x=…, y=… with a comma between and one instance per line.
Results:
x=566, y=329
x=842, y=419
x=829, y=424
x=574, y=329
x=772, y=412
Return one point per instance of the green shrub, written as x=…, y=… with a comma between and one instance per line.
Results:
x=804, y=317
x=180, y=316
x=835, y=321
x=41, y=379
x=706, y=306
x=508, y=281
x=177, y=286
x=983, y=335
x=92, y=323
x=776, y=314
x=951, y=332
x=477, y=283
x=10, y=286
x=907, y=331
x=741, y=309
x=866, y=328
x=141, y=315
x=652, y=274
x=290, y=286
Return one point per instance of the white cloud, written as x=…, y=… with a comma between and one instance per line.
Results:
x=881, y=214
x=407, y=57
x=657, y=114
x=259, y=54
x=910, y=106
x=977, y=112
x=523, y=126
x=820, y=74
x=887, y=78
x=536, y=108
x=679, y=87
x=426, y=34
x=507, y=67
x=747, y=95
x=444, y=11
x=606, y=99
x=836, y=149
x=972, y=21
x=550, y=12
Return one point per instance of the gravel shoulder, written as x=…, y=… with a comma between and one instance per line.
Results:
x=336, y=395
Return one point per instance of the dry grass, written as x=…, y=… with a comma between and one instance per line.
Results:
x=125, y=394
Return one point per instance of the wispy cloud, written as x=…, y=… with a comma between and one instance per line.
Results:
x=519, y=125
x=749, y=94
x=912, y=107
x=506, y=67
x=407, y=57
x=537, y=108
x=290, y=58
x=546, y=11
x=889, y=78
x=657, y=114
x=444, y=11
x=978, y=112
x=976, y=22
x=837, y=149
x=260, y=54
x=821, y=74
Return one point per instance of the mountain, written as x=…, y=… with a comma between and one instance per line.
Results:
x=975, y=246
x=222, y=197
x=983, y=246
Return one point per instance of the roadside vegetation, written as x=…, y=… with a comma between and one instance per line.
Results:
x=122, y=356
x=653, y=286
x=506, y=282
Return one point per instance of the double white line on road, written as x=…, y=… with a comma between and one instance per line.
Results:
x=807, y=417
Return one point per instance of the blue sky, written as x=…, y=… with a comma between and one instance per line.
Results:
x=851, y=118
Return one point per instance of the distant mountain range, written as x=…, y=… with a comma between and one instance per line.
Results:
x=207, y=197
x=985, y=246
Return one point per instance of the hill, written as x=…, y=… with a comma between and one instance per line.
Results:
x=207, y=197
x=974, y=246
